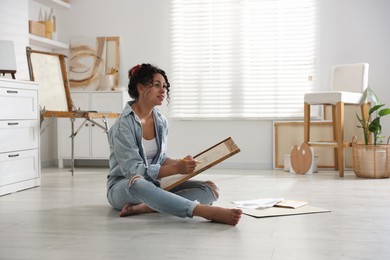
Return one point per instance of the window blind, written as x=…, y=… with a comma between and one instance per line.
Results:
x=242, y=59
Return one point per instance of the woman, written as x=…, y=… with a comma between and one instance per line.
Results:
x=138, y=144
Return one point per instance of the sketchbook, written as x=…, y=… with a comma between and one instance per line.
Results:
x=207, y=159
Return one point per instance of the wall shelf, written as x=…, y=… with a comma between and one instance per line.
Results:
x=42, y=42
x=47, y=43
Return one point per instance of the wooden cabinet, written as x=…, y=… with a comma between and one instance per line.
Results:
x=91, y=140
x=19, y=136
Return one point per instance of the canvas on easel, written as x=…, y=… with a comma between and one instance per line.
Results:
x=206, y=159
x=50, y=71
x=7, y=58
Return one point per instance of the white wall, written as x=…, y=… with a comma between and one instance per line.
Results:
x=357, y=31
x=143, y=27
x=350, y=31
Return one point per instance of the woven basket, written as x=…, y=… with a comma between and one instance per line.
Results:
x=371, y=161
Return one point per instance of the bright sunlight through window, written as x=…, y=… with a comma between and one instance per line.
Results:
x=248, y=59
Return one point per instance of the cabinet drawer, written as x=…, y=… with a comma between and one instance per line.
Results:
x=18, y=103
x=18, y=135
x=18, y=166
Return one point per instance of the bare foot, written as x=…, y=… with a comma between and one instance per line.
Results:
x=130, y=209
x=218, y=214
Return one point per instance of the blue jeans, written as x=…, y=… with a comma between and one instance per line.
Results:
x=180, y=201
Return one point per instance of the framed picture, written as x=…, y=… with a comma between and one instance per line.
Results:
x=92, y=61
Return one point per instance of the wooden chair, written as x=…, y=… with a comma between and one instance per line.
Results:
x=50, y=71
x=348, y=83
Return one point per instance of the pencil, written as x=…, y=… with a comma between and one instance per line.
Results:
x=197, y=162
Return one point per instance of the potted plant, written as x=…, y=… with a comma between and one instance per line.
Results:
x=372, y=160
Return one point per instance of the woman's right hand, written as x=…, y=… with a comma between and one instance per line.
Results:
x=170, y=167
x=186, y=165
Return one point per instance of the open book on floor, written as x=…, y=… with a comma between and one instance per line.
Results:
x=292, y=204
x=207, y=159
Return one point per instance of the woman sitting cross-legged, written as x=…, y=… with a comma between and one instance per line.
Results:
x=138, y=159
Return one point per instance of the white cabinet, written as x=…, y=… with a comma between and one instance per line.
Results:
x=91, y=140
x=19, y=136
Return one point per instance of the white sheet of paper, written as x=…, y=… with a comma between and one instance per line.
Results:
x=257, y=203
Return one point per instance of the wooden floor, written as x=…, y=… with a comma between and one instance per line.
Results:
x=69, y=218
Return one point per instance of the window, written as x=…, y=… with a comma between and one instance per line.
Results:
x=242, y=59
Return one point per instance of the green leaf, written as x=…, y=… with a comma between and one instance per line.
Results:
x=364, y=97
x=373, y=96
x=384, y=112
x=375, y=125
x=367, y=94
x=374, y=108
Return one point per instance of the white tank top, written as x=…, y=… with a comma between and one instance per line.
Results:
x=150, y=147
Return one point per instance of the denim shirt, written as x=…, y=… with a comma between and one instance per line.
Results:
x=127, y=155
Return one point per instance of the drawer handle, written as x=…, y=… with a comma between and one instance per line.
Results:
x=13, y=155
x=12, y=91
x=13, y=123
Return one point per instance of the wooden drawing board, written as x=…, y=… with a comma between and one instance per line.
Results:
x=208, y=158
x=290, y=133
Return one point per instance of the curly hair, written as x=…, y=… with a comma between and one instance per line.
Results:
x=144, y=74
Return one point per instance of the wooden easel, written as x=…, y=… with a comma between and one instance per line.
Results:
x=49, y=69
x=12, y=72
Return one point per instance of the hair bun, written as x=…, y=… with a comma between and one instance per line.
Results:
x=134, y=70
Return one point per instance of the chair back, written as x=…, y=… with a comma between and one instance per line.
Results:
x=350, y=77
